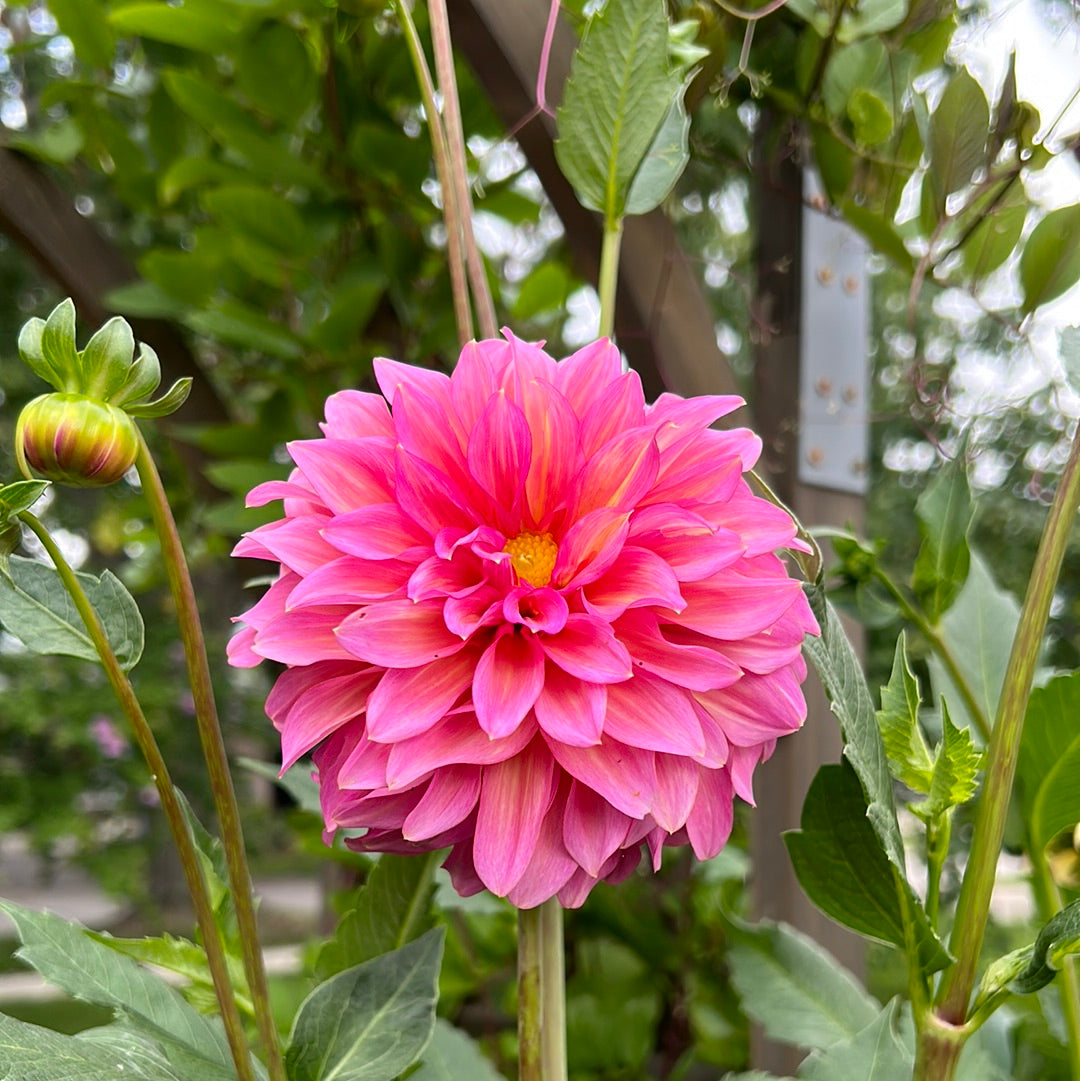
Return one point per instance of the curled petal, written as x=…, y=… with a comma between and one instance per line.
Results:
x=322, y=709
x=587, y=648
x=538, y=609
x=592, y=829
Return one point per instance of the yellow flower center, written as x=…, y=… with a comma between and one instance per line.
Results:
x=533, y=556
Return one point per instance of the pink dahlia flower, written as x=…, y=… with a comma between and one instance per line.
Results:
x=528, y=617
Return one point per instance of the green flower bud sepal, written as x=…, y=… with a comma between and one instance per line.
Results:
x=14, y=499
x=84, y=434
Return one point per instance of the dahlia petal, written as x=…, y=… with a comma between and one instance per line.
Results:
x=363, y=768
x=740, y=769
x=272, y=603
x=295, y=543
x=354, y=414
x=582, y=376
x=428, y=428
x=618, y=474
x=398, y=634
x=762, y=526
x=708, y=826
x=379, y=531
x=515, y=797
x=408, y=701
x=592, y=829
x=538, y=609
x=474, y=379
x=699, y=474
x=438, y=577
x=454, y=740
x=303, y=637
x=556, y=451
x=571, y=710
x=625, y=776
x=637, y=579
x=238, y=649
x=675, y=416
x=618, y=408
x=549, y=869
x=391, y=374
x=500, y=449
x=465, y=615
x=349, y=580
x=294, y=681
x=270, y=490
x=508, y=678
x=590, y=547
x=676, y=791
x=449, y=799
x=587, y=648
x=320, y=710
x=429, y=497
x=654, y=715
x=757, y=707
x=346, y=474
x=459, y=865
x=730, y=606
x=698, y=667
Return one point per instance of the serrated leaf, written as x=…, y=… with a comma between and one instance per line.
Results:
x=956, y=770
x=1049, y=763
x=842, y=677
x=620, y=89
x=840, y=864
x=36, y=608
x=392, y=908
x=664, y=161
x=880, y=1052
x=70, y=959
x=1050, y=261
x=371, y=1022
x=898, y=719
x=794, y=988
x=944, y=510
x=453, y=1055
x=31, y=1053
x=958, y=134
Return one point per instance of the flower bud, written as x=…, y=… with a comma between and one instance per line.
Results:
x=76, y=440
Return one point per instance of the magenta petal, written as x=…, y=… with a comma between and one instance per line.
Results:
x=238, y=649
x=352, y=414
x=592, y=828
x=587, y=648
x=556, y=453
x=675, y=416
x=676, y=790
x=698, y=666
x=549, y=869
x=449, y=799
x=363, y=768
x=429, y=497
x=654, y=715
x=515, y=797
x=349, y=580
x=467, y=614
x=381, y=531
x=303, y=637
x=322, y=709
x=639, y=578
x=731, y=606
x=398, y=634
x=590, y=547
x=570, y=710
x=541, y=609
x=708, y=825
x=500, y=449
x=624, y=776
x=297, y=543
x=582, y=376
x=391, y=374
x=408, y=701
x=270, y=490
x=346, y=473
x=618, y=408
x=508, y=678
x=618, y=474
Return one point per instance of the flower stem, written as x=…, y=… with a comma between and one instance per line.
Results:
x=541, y=994
x=609, y=275
x=455, y=137
x=459, y=286
x=170, y=803
x=213, y=747
x=973, y=906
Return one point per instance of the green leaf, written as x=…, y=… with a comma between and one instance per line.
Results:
x=944, y=510
x=664, y=161
x=453, y=1055
x=842, y=677
x=996, y=231
x=31, y=1053
x=88, y=30
x=296, y=780
x=1050, y=262
x=392, y=908
x=142, y=377
x=840, y=863
x=879, y=1053
x=851, y=69
x=879, y=231
x=70, y=959
x=147, y=300
x=59, y=143
x=958, y=133
x=188, y=276
x=20, y=495
x=107, y=358
x=192, y=27
x=168, y=403
x=898, y=719
x=956, y=771
x=1049, y=763
x=870, y=115
x=794, y=988
x=544, y=290
x=371, y=1022
x=978, y=629
x=235, y=324
x=36, y=608
x=57, y=342
x=262, y=215
x=1060, y=938
x=620, y=90
x=274, y=71
x=215, y=870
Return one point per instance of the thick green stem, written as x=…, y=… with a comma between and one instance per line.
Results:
x=170, y=803
x=973, y=906
x=459, y=286
x=941, y=648
x=609, y=275
x=213, y=747
x=459, y=176
x=541, y=994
